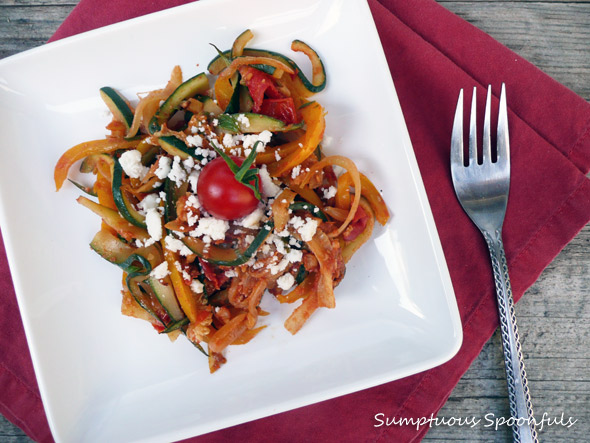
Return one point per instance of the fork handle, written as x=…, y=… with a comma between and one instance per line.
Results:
x=521, y=408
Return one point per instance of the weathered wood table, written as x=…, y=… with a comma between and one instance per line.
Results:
x=554, y=315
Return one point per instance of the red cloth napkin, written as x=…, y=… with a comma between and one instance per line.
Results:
x=432, y=54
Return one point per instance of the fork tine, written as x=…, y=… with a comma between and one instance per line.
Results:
x=487, y=146
x=473, y=129
x=457, y=134
x=503, y=143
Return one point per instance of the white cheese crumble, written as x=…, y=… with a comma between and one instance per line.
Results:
x=229, y=141
x=193, y=201
x=211, y=227
x=286, y=282
x=276, y=268
x=193, y=180
x=330, y=192
x=268, y=188
x=197, y=286
x=295, y=171
x=294, y=256
x=150, y=201
x=153, y=222
x=195, y=141
x=306, y=228
x=164, y=165
x=131, y=163
x=177, y=174
x=244, y=120
x=160, y=271
x=189, y=163
x=252, y=220
x=175, y=245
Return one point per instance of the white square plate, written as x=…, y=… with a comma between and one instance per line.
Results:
x=106, y=377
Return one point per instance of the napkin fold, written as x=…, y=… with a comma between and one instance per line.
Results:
x=431, y=54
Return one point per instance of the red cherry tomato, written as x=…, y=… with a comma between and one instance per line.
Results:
x=281, y=109
x=221, y=194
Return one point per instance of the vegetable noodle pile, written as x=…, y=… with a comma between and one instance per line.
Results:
x=214, y=190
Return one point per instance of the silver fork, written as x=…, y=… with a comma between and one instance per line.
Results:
x=482, y=189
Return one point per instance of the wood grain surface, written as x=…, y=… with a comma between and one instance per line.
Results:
x=554, y=315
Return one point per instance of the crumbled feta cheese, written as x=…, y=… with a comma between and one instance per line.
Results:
x=175, y=245
x=306, y=228
x=193, y=180
x=283, y=233
x=193, y=201
x=189, y=163
x=249, y=140
x=163, y=170
x=191, y=218
x=160, y=271
x=252, y=220
x=153, y=222
x=211, y=227
x=286, y=282
x=276, y=268
x=229, y=141
x=243, y=120
x=265, y=136
x=197, y=286
x=230, y=273
x=277, y=155
x=177, y=174
x=195, y=141
x=131, y=163
x=330, y=192
x=294, y=256
x=268, y=188
x=296, y=171
x=279, y=244
x=150, y=201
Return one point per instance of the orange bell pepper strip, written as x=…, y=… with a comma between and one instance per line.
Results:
x=115, y=221
x=368, y=190
x=104, y=192
x=313, y=116
x=223, y=91
x=270, y=153
x=83, y=150
x=184, y=295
